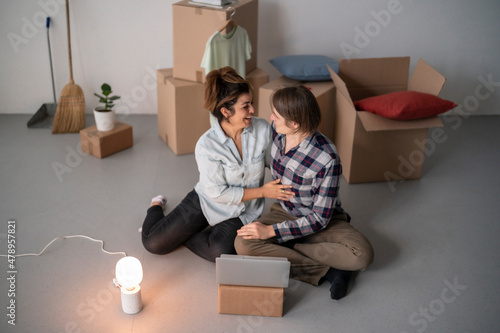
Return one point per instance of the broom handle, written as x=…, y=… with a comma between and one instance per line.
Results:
x=50, y=59
x=69, y=44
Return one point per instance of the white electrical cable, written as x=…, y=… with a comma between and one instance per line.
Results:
x=64, y=237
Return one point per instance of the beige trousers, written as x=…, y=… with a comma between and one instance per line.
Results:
x=339, y=245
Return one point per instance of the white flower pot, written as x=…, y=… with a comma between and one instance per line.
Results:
x=105, y=121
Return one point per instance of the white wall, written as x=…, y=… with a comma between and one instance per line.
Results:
x=123, y=42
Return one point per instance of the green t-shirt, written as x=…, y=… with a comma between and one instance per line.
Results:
x=232, y=49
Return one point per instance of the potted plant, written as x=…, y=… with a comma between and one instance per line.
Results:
x=105, y=115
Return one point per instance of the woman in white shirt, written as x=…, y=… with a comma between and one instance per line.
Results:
x=231, y=158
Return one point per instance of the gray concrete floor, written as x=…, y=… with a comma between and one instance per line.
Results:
x=437, y=254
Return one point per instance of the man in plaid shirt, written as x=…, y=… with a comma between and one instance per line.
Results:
x=310, y=229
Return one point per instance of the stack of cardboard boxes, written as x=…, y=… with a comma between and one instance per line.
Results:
x=182, y=118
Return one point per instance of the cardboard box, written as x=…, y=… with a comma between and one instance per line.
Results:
x=257, y=78
x=324, y=91
x=253, y=301
x=182, y=118
x=193, y=24
x=373, y=148
x=101, y=144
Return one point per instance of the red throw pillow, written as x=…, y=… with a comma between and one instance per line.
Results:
x=405, y=105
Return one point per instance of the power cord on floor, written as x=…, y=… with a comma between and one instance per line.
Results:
x=64, y=237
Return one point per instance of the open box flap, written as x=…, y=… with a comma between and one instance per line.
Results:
x=426, y=79
x=163, y=74
x=340, y=86
x=372, y=122
x=374, y=72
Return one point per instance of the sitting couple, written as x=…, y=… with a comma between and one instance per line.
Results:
x=222, y=214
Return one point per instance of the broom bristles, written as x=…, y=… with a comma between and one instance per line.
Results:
x=70, y=113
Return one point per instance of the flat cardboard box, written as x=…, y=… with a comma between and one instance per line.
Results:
x=193, y=24
x=182, y=118
x=253, y=301
x=324, y=91
x=101, y=144
x=373, y=148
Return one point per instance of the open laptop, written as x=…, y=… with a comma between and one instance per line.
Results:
x=252, y=271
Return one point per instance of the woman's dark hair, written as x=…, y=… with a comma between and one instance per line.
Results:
x=297, y=104
x=222, y=88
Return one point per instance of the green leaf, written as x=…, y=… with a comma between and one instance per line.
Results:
x=114, y=98
x=105, y=87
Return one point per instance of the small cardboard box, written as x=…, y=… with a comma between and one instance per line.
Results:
x=373, y=148
x=193, y=24
x=182, y=118
x=324, y=91
x=101, y=144
x=253, y=301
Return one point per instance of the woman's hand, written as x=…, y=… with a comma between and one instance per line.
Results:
x=275, y=190
x=256, y=230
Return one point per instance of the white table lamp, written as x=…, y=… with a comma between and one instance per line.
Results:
x=128, y=276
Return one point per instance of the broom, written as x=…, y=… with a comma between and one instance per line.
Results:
x=70, y=113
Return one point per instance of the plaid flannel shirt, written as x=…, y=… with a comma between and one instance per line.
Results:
x=313, y=169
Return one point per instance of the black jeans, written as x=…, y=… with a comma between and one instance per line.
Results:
x=187, y=225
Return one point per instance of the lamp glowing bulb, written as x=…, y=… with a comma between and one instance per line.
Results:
x=129, y=275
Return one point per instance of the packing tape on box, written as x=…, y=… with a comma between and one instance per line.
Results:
x=89, y=142
x=90, y=149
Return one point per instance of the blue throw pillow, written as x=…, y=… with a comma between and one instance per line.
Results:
x=305, y=67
